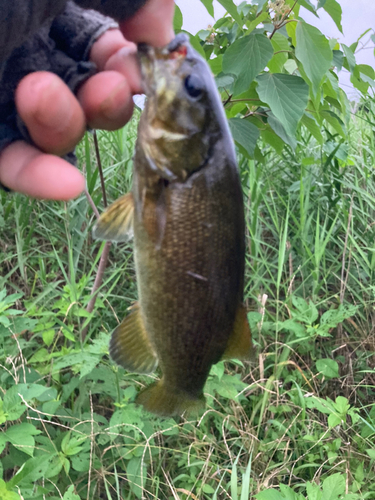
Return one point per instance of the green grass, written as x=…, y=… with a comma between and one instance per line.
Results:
x=298, y=423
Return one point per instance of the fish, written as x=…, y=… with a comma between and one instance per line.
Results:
x=186, y=214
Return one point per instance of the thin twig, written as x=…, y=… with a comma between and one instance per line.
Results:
x=104, y=257
x=91, y=203
x=227, y=100
x=100, y=168
x=283, y=20
x=97, y=283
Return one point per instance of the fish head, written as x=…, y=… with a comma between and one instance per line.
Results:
x=183, y=115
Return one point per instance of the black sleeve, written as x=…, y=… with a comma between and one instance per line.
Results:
x=20, y=19
x=76, y=29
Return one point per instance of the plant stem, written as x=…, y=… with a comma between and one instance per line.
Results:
x=104, y=257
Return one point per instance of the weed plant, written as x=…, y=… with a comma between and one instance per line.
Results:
x=298, y=423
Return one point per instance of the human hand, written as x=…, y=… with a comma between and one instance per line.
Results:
x=57, y=120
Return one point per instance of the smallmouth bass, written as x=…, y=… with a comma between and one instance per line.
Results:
x=186, y=212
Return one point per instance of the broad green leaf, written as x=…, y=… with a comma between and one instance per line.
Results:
x=367, y=70
x=333, y=420
x=307, y=311
x=287, y=96
x=313, y=491
x=328, y=367
x=312, y=127
x=280, y=44
x=33, y=469
x=13, y=406
x=42, y=355
x=258, y=20
x=246, y=58
x=368, y=80
x=279, y=130
x=290, y=66
x=338, y=59
x=291, y=30
x=334, y=44
x=81, y=462
x=209, y=7
x=231, y=8
x=3, y=417
x=48, y=336
x=350, y=57
x=270, y=494
x=216, y=64
x=333, y=487
x=234, y=110
x=293, y=326
x=335, y=123
x=224, y=81
x=333, y=8
x=3, y=442
x=322, y=405
x=335, y=316
x=21, y=437
x=5, y=494
x=334, y=84
x=71, y=445
x=31, y=391
x=371, y=453
x=342, y=405
x=259, y=3
x=359, y=84
x=177, y=20
x=136, y=472
x=309, y=6
x=70, y=495
x=244, y=133
x=314, y=52
x=273, y=140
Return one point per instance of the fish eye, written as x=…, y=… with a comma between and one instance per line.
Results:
x=194, y=86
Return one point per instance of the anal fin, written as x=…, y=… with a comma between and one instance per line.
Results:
x=239, y=344
x=116, y=223
x=130, y=346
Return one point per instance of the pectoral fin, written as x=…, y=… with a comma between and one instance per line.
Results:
x=239, y=344
x=130, y=346
x=116, y=223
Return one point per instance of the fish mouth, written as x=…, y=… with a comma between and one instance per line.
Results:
x=176, y=48
x=147, y=55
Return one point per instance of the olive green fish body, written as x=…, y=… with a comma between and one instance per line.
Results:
x=186, y=213
x=190, y=284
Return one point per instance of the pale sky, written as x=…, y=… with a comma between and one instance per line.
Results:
x=358, y=16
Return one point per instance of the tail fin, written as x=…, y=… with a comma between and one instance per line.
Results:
x=166, y=402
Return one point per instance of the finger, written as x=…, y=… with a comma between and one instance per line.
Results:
x=125, y=62
x=50, y=111
x=107, y=101
x=25, y=169
x=152, y=24
x=107, y=45
x=111, y=52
